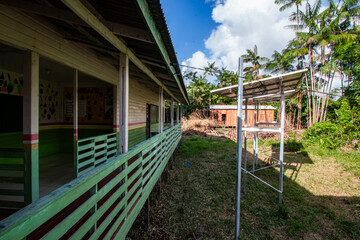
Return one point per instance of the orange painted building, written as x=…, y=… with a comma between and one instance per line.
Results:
x=226, y=115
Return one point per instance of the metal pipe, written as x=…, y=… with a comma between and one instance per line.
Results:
x=267, y=184
x=281, y=157
x=254, y=142
x=257, y=134
x=274, y=165
x=264, y=123
x=245, y=145
x=239, y=149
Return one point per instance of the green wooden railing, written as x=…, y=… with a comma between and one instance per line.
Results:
x=14, y=182
x=94, y=151
x=102, y=204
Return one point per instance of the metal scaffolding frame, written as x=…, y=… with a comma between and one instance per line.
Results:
x=270, y=89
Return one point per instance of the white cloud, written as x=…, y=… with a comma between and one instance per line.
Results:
x=200, y=60
x=242, y=24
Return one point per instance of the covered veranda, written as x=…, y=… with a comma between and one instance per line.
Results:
x=72, y=90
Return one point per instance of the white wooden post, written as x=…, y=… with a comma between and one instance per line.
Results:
x=116, y=106
x=177, y=113
x=31, y=122
x=76, y=105
x=163, y=113
x=172, y=112
x=161, y=102
x=123, y=102
x=181, y=113
x=76, y=119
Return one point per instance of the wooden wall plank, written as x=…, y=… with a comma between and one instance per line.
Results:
x=265, y=115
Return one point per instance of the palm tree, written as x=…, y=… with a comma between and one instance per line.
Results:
x=286, y=4
x=324, y=31
x=281, y=62
x=256, y=61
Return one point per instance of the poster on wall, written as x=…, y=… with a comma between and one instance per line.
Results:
x=82, y=108
x=12, y=83
x=95, y=104
x=48, y=102
x=69, y=108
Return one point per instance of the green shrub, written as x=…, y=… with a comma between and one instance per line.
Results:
x=292, y=145
x=326, y=134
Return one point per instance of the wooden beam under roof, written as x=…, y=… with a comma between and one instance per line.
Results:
x=87, y=16
x=154, y=64
x=70, y=17
x=170, y=84
x=156, y=60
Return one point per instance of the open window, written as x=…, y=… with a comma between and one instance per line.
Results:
x=223, y=119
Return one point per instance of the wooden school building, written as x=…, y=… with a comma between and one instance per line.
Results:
x=226, y=115
x=83, y=86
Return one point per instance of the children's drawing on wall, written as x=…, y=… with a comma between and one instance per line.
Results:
x=93, y=107
x=11, y=83
x=49, y=102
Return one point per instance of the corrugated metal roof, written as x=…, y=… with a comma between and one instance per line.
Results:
x=267, y=89
x=234, y=107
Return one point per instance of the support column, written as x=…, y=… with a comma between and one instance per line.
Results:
x=147, y=211
x=254, y=137
x=158, y=188
x=76, y=105
x=163, y=113
x=257, y=134
x=161, y=102
x=239, y=149
x=245, y=147
x=75, y=118
x=123, y=102
x=181, y=113
x=281, y=157
x=31, y=124
x=116, y=113
x=171, y=162
x=177, y=113
x=116, y=108
x=172, y=112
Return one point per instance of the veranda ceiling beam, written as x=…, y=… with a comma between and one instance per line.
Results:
x=70, y=17
x=88, y=17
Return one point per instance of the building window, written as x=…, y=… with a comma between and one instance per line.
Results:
x=223, y=119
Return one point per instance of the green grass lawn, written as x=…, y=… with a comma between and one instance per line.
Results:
x=321, y=197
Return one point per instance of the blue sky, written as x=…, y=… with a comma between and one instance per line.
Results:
x=220, y=31
x=190, y=23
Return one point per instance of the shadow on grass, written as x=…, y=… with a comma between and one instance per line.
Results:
x=198, y=202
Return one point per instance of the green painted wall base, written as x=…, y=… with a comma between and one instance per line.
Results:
x=51, y=141
x=137, y=136
x=61, y=140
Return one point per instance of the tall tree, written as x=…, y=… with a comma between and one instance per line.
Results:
x=256, y=61
x=280, y=62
